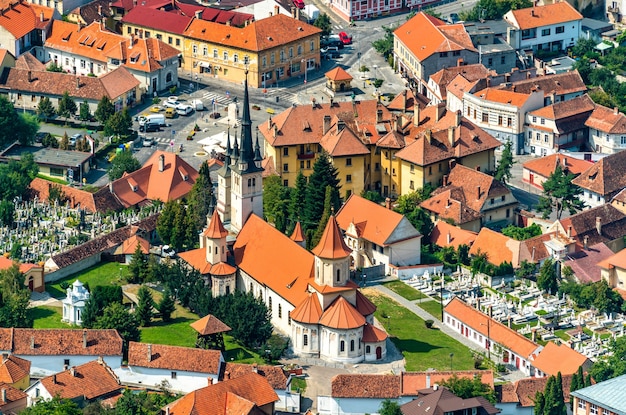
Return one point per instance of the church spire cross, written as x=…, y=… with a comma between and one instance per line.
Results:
x=247, y=156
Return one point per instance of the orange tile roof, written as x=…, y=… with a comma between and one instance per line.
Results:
x=173, y=183
x=372, y=334
x=338, y=74
x=188, y=359
x=309, y=311
x=91, y=380
x=197, y=259
x=471, y=73
x=129, y=246
x=498, y=247
x=606, y=176
x=607, y=120
x=415, y=381
x=209, y=324
x=273, y=259
x=546, y=15
x=364, y=305
x=374, y=222
x=458, y=236
x=366, y=386
x=558, y=84
x=459, y=86
x=506, y=393
x=6, y=338
x=13, y=369
x=216, y=229
x=498, y=332
x=526, y=389
x=260, y=35
x=101, y=201
x=222, y=268
x=6, y=263
x=216, y=399
x=297, y=235
x=275, y=375
x=405, y=100
x=22, y=18
x=501, y=96
x=340, y=314
x=331, y=244
x=617, y=260
x=343, y=143
x=425, y=35
x=100, y=342
x=554, y=358
x=13, y=395
x=545, y=166
x=565, y=109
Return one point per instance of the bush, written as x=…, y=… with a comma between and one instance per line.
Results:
x=275, y=347
x=64, y=285
x=429, y=324
x=173, y=90
x=500, y=368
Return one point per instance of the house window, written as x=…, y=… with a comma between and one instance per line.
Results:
x=581, y=404
x=545, y=138
x=280, y=308
x=351, y=345
x=264, y=61
x=502, y=60
x=349, y=178
x=285, y=151
x=543, y=121
x=508, y=213
x=342, y=346
x=225, y=55
x=489, y=61
x=246, y=60
x=291, y=52
x=169, y=39
x=534, y=119
x=270, y=303
x=348, y=161
x=411, y=185
x=305, y=340
x=286, y=167
x=560, y=29
x=215, y=55
x=509, y=122
x=485, y=117
x=299, y=50
x=205, y=50
x=286, y=183
x=368, y=349
x=499, y=119
x=302, y=164
x=37, y=392
x=66, y=362
x=194, y=49
x=545, y=32
x=235, y=58
x=456, y=53
x=312, y=46
x=173, y=375
x=412, y=168
x=502, y=198
x=443, y=54
x=177, y=42
x=430, y=170
x=491, y=201
x=593, y=409
x=338, y=275
x=272, y=60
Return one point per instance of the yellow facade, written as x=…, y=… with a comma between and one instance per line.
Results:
x=390, y=172
x=172, y=39
x=351, y=173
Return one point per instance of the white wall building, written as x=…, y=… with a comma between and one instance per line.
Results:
x=607, y=130
x=74, y=303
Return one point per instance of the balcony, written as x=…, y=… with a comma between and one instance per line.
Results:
x=306, y=156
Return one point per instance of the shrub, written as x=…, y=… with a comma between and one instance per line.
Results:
x=64, y=285
x=429, y=323
x=500, y=368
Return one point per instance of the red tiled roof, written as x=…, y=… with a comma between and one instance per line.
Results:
x=457, y=236
x=216, y=399
x=364, y=305
x=13, y=395
x=22, y=18
x=91, y=380
x=101, y=201
x=209, y=324
x=275, y=375
x=222, y=268
x=129, y=246
x=546, y=15
x=412, y=382
x=152, y=18
x=13, y=369
x=338, y=74
x=405, y=101
x=373, y=334
x=558, y=84
x=366, y=386
x=606, y=120
x=554, y=358
x=341, y=143
x=586, y=262
x=331, y=244
x=565, y=109
x=501, y=96
x=498, y=247
x=297, y=235
x=545, y=166
x=498, y=332
x=197, y=259
x=309, y=311
x=340, y=314
x=216, y=229
x=6, y=263
x=526, y=389
x=100, y=342
x=606, y=176
x=612, y=224
x=617, y=260
x=188, y=359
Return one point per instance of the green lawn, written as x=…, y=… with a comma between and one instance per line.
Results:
x=46, y=317
x=404, y=290
x=432, y=307
x=422, y=348
x=298, y=384
x=105, y=273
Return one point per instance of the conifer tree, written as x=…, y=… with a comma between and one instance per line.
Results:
x=166, y=306
x=325, y=217
x=201, y=198
x=137, y=266
x=145, y=304
x=324, y=174
x=297, y=201
x=539, y=403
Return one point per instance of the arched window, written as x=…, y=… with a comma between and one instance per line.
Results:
x=351, y=345
x=342, y=346
x=168, y=77
x=338, y=275
x=367, y=349
x=305, y=340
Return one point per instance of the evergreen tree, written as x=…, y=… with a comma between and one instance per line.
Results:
x=317, y=236
x=559, y=194
x=323, y=22
x=324, y=174
x=145, y=305
x=297, y=201
x=539, y=403
x=559, y=397
x=276, y=199
x=67, y=106
x=137, y=266
x=179, y=232
x=116, y=316
x=389, y=407
x=549, y=397
x=547, y=278
x=105, y=110
x=65, y=142
x=166, y=306
x=152, y=268
x=201, y=198
x=45, y=109
x=119, y=123
x=588, y=378
x=503, y=171
x=165, y=222
x=84, y=112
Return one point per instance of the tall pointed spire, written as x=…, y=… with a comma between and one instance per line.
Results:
x=257, y=150
x=229, y=150
x=247, y=156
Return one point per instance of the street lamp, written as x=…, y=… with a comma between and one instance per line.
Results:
x=451, y=356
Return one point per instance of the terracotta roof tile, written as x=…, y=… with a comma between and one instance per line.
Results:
x=405, y=100
x=214, y=399
x=606, y=176
x=441, y=230
x=209, y=324
x=612, y=224
x=617, y=260
x=441, y=400
x=425, y=35
x=197, y=259
x=341, y=143
x=297, y=235
x=28, y=62
x=471, y=73
x=526, y=389
x=393, y=139
x=101, y=342
x=309, y=311
x=331, y=243
x=94, y=11
x=606, y=120
x=558, y=84
x=498, y=332
x=222, y=268
x=13, y=395
x=22, y=18
x=188, y=359
x=506, y=393
x=501, y=96
x=13, y=369
x=364, y=305
x=565, y=109
x=459, y=86
x=6, y=263
x=6, y=338
x=366, y=386
x=546, y=15
x=498, y=247
x=91, y=380
x=156, y=19
x=545, y=166
x=372, y=334
x=274, y=259
x=586, y=263
x=275, y=375
x=129, y=246
x=216, y=229
x=101, y=201
x=338, y=74
x=554, y=358
x=412, y=382
x=340, y=314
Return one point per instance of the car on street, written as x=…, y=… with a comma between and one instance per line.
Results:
x=149, y=127
x=156, y=108
x=147, y=142
x=299, y=4
x=172, y=98
x=329, y=49
x=453, y=18
x=184, y=109
x=73, y=139
x=171, y=104
x=170, y=113
x=40, y=136
x=345, y=38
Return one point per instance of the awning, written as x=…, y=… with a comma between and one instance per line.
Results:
x=204, y=64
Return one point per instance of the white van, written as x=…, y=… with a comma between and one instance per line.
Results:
x=154, y=119
x=197, y=104
x=184, y=109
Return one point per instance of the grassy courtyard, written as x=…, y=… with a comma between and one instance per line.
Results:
x=422, y=348
x=105, y=273
x=404, y=290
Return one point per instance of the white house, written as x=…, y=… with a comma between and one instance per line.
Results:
x=184, y=368
x=607, y=130
x=53, y=350
x=74, y=303
x=378, y=236
x=552, y=27
x=602, y=180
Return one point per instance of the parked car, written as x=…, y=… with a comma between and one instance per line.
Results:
x=147, y=142
x=171, y=104
x=73, y=139
x=299, y=4
x=40, y=136
x=150, y=127
x=345, y=38
x=184, y=109
x=453, y=18
x=153, y=118
x=329, y=49
x=172, y=98
x=156, y=108
x=197, y=104
x=167, y=251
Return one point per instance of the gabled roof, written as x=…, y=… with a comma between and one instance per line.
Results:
x=340, y=314
x=545, y=166
x=612, y=224
x=197, y=259
x=6, y=263
x=157, y=19
x=501, y=96
x=554, y=358
x=225, y=398
x=606, y=120
x=129, y=246
x=368, y=386
x=471, y=73
x=439, y=400
x=209, y=324
x=338, y=74
x=331, y=245
x=297, y=235
x=526, y=389
x=425, y=35
x=372, y=334
x=498, y=332
x=586, y=263
x=458, y=236
x=91, y=380
x=617, y=260
x=29, y=62
x=412, y=382
x=99, y=342
x=150, y=183
x=309, y=311
x=604, y=394
x=498, y=247
x=188, y=359
x=606, y=176
x=374, y=222
x=341, y=142
x=101, y=201
x=13, y=369
x=546, y=15
x=273, y=259
x=275, y=375
x=21, y=18
x=216, y=229
x=558, y=84
x=564, y=109
x=13, y=395
x=406, y=100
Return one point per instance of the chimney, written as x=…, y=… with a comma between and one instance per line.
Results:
x=379, y=116
x=161, y=162
x=458, y=118
x=255, y=367
x=73, y=370
x=435, y=387
x=416, y=113
x=451, y=136
x=80, y=26
x=269, y=122
x=293, y=11
x=404, y=100
x=4, y=395
x=448, y=238
x=532, y=13
x=297, y=14
x=564, y=161
x=134, y=3
x=54, y=379
x=388, y=203
x=77, y=82
x=84, y=338
x=99, y=10
x=451, y=164
x=534, y=335
x=30, y=76
x=585, y=242
x=41, y=17
x=111, y=187
x=340, y=126
x=439, y=112
x=226, y=375
x=275, y=130
x=427, y=381
x=569, y=231
x=459, y=62
x=276, y=10
x=326, y=125
x=198, y=14
x=477, y=192
x=599, y=225
x=427, y=135
x=532, y=255
x=445, y=180
x=149, y=353
x=32, y=342
x=398, y=124
x=615, y=110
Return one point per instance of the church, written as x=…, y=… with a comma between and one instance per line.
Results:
x=309, y=294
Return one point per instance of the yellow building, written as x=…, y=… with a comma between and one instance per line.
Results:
x=272, y=49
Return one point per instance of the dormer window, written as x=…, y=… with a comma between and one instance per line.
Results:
x=134, y=57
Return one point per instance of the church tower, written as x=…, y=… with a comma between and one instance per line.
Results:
x=223, y=184
x=214, y=237
x=246, y=173
x=332, y=257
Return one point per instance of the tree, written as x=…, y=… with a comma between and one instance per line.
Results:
x=317, y=236
x=201, y=198
x=584, y=47
x=67, y=106
x=372, y=196
x=137, y=266
x=65, y=142
x=84, y=111
x=55, y=406
x=478, y=262
x=521, y=234
x=14, y=298
x=384, y=45
x=323, y=22
x=297, y=200
x=389, y=407
x=610, y=365
x=469, y=388
x=276, y=200
x=547, y=279
x=123, y=162
x=167, y=305
x=539, y=403
x=409, y=206
x=526, y=269
x=578, y=382
x=15, y=177
x=559, y=194
x=493, y=9
x=53, y=67
x=8, y=120
x=7, y=213
x=503, y=171
x=119, y=123
x=104, y=111
x=100, y=297
x=115, y=316
x=145, y=306
x=27, y=128
x=142, y=403
x=165, y=222
x=324, y=174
